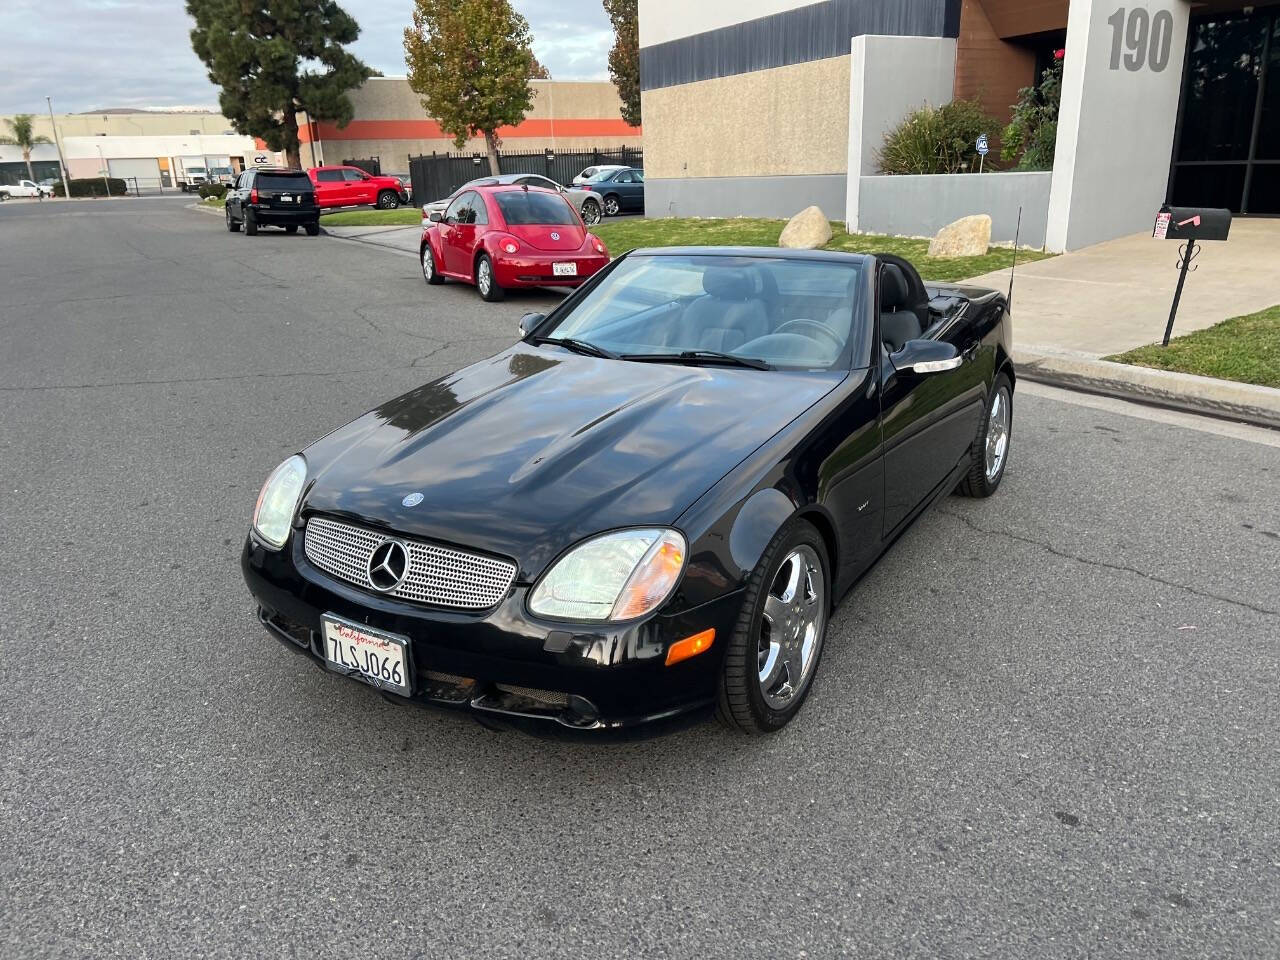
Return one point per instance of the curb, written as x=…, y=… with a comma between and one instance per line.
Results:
x=216, y=211
x=1225, y=399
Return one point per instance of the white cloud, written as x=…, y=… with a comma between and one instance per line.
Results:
x=93, y=54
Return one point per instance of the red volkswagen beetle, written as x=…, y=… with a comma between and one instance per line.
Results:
x=509, y=236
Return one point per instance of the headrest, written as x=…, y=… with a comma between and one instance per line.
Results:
x=894, y=292
x=728, y=283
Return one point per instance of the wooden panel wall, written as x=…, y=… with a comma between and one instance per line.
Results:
x=988, y=68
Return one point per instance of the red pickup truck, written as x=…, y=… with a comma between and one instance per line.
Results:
x=351, y=187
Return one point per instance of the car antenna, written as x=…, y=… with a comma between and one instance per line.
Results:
x=1016, y=235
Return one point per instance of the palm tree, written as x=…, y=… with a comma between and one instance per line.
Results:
x=21, y=126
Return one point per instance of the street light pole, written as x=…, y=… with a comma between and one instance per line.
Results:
x=62, y=164
x=103, y=170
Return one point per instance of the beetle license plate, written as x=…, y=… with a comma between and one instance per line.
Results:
x=286, y=198
x=379, y=659
x=564, y=269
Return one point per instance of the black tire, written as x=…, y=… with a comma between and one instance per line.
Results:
x=591, y=212
x=387, y=200
x=290, y=228
x=250, y=225
x=4, y=195
x=980, y=481
x=490, y=291
x=233, y=225
x=612, y=207
x=313, y=229
x=741, y=702
x=429, y=271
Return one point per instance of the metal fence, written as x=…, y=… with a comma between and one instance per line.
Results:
x=370, y=165
x=438, y=175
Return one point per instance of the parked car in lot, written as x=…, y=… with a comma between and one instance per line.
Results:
x=589, y=206
x=592, y=172
x=503, y=236
x=272, y=198
x=620, y=191
x=648, y=507
x=352, y=187
x=25, y=188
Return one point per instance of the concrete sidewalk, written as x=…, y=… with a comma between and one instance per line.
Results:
x=1114, y=296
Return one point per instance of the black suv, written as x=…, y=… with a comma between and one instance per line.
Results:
x=275, y=198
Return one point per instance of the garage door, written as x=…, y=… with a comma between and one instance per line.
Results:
x=146, y=170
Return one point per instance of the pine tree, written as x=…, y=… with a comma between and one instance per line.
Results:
x=272, y=58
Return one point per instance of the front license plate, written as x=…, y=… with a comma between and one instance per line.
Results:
x=377, y=658
x=564, y=269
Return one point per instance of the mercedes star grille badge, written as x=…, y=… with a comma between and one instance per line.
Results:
x=388, y=564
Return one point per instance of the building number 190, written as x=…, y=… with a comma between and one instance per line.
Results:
x=1147, y=37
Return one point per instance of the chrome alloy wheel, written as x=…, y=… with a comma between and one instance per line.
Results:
x=791, y=628
x=998, y=434
x=484, y=277
x=611, y=206
x=591, y=213
x=428, y=263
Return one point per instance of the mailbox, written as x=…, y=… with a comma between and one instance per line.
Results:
x=1192, y=223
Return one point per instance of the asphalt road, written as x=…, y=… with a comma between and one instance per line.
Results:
x=1045, y=726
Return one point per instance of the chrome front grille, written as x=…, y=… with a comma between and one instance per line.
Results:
x=437, y=575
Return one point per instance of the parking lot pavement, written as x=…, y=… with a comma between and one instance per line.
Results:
x=1045, y=725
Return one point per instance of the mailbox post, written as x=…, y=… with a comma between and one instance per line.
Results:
x=1188, y=224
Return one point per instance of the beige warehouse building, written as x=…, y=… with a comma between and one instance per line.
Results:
x=390, y=123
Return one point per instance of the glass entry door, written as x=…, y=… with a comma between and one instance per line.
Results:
x=1227, y=150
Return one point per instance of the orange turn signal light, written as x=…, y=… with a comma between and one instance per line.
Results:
x=690, y=646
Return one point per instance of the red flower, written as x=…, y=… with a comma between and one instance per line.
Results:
x=1059, y=54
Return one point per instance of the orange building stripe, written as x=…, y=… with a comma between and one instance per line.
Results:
x=430, y=130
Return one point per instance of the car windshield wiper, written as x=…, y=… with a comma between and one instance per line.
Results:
x=699, y=356
x=579, y=346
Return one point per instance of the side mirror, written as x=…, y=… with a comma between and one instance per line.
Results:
x=926, y=356
x=529, y=321
x=435, y=216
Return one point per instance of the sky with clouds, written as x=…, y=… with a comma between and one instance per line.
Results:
x=92, y=54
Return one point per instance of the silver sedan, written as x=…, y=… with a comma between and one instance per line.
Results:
x=584, y=201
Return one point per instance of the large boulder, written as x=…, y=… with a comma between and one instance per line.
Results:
x=969, y=237
x=807, y=230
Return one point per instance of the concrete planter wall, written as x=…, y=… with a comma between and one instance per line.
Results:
x=921, y=206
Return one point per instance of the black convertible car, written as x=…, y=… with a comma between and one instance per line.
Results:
x=649, y=505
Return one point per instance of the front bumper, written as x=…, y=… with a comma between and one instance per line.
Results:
x=502, y=662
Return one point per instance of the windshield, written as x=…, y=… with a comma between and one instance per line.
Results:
x=520, y=208
x=784, y=312
x=601, y=175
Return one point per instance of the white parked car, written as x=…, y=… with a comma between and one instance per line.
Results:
x=25, y=188
x=591, y=172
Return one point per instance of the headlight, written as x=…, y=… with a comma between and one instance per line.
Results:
x=273, y=515
x=618, y=576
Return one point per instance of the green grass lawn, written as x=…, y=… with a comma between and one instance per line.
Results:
x=624, y=235
x=409, y=216
x=1246, y=349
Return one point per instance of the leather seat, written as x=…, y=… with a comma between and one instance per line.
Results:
x=730, y=314
x=898, y=321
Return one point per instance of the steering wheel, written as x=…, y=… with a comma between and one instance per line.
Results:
x=815, y=327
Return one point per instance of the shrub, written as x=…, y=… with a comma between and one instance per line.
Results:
x=1033, y=131
x=936, y=140
x=208, y=190
x=93, y=187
